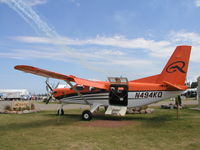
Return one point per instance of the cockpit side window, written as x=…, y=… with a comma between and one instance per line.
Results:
x=80, y=87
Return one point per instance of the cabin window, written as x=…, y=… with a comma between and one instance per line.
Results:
x=79, y=88
x=92, y=89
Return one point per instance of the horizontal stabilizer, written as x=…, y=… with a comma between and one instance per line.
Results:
x=175, y=86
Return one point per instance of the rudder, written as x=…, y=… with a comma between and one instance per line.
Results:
x=176, y=68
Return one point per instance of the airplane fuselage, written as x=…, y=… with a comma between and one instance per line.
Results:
x=135, y=98
x=137, y=94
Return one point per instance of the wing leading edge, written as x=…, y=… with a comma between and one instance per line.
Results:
x=50, y=74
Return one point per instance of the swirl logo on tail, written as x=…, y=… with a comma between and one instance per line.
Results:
x=176, y=66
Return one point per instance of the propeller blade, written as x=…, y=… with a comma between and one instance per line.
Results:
x=47, y=101
x=57, y=85
x=48, y=85
x=47, y=89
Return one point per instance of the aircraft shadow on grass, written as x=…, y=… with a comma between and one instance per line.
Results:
x=162, y=118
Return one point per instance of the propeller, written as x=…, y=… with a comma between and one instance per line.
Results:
x=56, y=86
x=50, y=89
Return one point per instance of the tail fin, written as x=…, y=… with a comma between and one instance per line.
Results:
x=176, y=68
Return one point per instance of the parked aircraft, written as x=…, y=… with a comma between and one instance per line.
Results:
x=118, y=94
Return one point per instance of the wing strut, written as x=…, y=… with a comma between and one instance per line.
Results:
x=79, y=94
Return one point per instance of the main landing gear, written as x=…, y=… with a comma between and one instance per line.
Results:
x=87, y=114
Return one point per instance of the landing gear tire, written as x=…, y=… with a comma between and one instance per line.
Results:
x=87, y=115
x=60, y=112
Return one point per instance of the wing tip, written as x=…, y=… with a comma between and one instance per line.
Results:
x=20, y=67
x=17, y=67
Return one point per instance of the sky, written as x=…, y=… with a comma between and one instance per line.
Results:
x=94, y=39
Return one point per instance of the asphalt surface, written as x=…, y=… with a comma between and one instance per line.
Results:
x=77, y=106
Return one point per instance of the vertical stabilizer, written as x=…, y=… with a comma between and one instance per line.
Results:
x=176, y=68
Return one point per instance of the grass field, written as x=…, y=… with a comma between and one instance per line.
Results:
x=45, y=130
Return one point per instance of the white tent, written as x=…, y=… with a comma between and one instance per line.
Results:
x=14, y=93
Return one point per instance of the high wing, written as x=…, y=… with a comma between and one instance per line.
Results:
x=44, y=73
x=50, y=74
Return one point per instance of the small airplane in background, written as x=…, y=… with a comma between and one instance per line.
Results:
x=118, y=94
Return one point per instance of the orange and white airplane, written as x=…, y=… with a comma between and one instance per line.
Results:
x=117, y=94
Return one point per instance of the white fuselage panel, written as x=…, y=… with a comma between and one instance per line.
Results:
x=135, y=98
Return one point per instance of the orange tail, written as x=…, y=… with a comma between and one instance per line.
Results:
x=175, y=70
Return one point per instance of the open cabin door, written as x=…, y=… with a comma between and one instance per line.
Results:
x=118, y=94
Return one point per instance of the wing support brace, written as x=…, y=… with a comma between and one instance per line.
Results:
x=94, y=107
x=79, y=94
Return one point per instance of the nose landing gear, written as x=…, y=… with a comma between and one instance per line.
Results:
x=60, y=111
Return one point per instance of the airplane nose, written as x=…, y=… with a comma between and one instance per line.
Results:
x=53, y=92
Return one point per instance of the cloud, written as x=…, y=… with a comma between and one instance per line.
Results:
x=120, y=45
x=109, y=56
x=29, y=2
x=102, y=62
x=3, y=1
x=109, y=52
x=102, y=46
x=156, y=48
x=36, y=2
x=103, y=54
x=114, y=50
x=197, y=3
x=75, y=2
x=189, y=37
x=27, y=13
x=115, y=41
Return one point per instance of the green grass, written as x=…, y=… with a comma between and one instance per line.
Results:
x=45, y=130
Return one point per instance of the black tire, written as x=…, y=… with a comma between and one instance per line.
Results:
x=60, y=112
x=87, y=115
